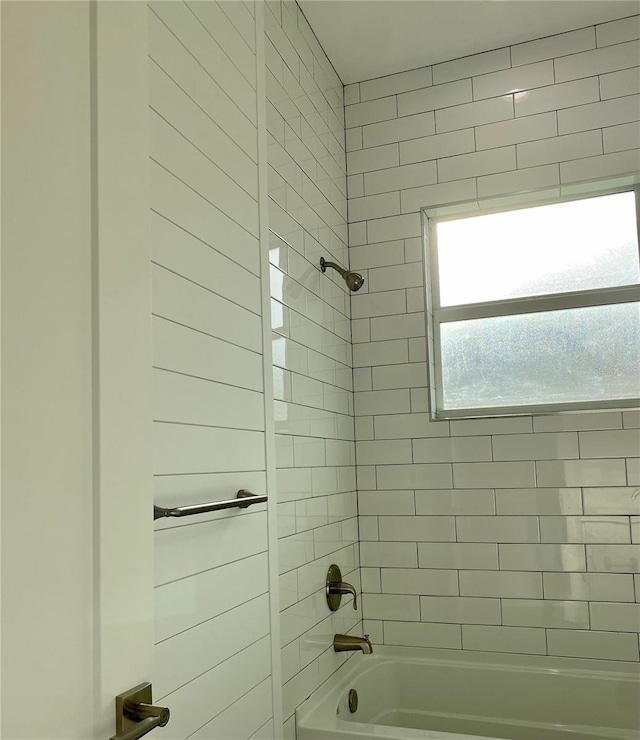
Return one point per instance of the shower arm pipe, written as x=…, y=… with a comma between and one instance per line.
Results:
x=243, y=500
x=324, y=264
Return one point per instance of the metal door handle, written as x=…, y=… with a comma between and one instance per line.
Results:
x=140, y=712
x=140, y=729
x=135, y=715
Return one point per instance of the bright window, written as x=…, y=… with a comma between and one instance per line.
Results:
x=535, y=309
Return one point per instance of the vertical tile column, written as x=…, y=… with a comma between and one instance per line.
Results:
x=311, y=349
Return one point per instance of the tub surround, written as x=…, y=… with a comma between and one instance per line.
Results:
x=519, y=534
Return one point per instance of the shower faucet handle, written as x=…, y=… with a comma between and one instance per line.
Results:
x=338, y=587
x=335, y=588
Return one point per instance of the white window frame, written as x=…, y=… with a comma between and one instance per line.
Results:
x=437, y=315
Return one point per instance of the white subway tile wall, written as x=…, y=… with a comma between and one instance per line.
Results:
x=212, y=575
x=512, y=535
x=312, y=355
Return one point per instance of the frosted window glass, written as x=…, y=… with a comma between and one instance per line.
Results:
x=573, y=355
x=564, y=247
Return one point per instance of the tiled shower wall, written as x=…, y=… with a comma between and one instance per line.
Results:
x=314, y=424
x=518, y=534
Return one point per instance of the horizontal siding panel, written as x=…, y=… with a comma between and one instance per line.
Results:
x=183, y=604
x=243, y=20
x=206, y=696
x=179, y=203
x=189, y=304
x=183, y=551
x=175, y=153
x=179, y=448
x=208, y=441
x=169, y=54
x=204, y=48
x=186, y=400
x=180, y=252
x=188, y=116
x=228, y=37
x=184, y=350
x=197, y=650
x=245, y=717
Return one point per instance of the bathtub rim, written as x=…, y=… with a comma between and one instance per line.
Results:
x=323, y=701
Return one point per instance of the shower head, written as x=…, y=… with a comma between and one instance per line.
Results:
x=354, y=280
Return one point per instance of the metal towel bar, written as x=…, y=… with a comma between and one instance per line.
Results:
x=243, y=500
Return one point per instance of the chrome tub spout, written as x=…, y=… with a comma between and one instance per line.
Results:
x=342, y=643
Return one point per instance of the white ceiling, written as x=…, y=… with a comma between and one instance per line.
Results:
x=371, y=38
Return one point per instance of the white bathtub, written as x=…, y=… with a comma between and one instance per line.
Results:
x=409, y=694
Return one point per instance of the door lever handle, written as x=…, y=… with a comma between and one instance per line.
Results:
x=140, y=712
x=135, y=715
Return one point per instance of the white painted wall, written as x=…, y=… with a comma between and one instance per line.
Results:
x=123, y=496
x=77, y=542
x=47, y=539
x=514, y=534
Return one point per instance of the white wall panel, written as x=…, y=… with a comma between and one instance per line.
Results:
x=182, y=349
x=236, y=722
x=184, y=24
x=185, y=603
x=179, y=251
x=47, y=307
x=174, y=57
x=185, y=161
x=174, y=105
x=187, y=400
x=208, y=695
x=179, y=203
x=189, y=304
x=182, y=448
x=214, y=651
x=191, y=548
x=193, y=652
